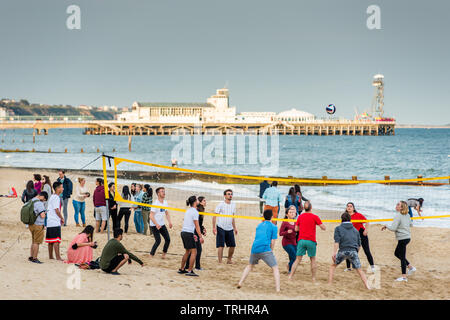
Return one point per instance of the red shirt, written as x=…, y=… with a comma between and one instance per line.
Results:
x=358, y=225
x=288, y=238
x=306, y=223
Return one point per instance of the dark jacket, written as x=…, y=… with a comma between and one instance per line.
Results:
x=262, y=187
x=68, y=187
x=200, y=208
x=347, y=237
x=27, y=196
x=99, y=196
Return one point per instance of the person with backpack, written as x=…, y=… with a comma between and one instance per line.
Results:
x=33, y=213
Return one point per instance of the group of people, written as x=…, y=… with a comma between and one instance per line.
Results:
x=298, y=238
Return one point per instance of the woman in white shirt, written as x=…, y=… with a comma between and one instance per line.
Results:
x=79, y=205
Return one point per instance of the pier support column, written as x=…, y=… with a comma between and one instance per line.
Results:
x=129, y=143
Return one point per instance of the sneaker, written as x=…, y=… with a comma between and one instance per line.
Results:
x=199, y=269
x=36, y=261
x=401, y=279
x=182, y=271
x=411, y=271
x=30, y=258
x=115, y=273
x=191, y=274
x=348, y=269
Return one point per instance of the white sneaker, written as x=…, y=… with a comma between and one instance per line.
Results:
x=348, y=269
x=401, y=279
x=411, y=271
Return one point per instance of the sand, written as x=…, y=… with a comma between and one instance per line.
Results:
x=158, y=279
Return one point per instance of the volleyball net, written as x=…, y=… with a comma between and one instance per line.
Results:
x=376, y=199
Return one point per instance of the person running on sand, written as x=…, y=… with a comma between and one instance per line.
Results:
x=225, y=230
x=157, y=223
x=306, y=226
x=189, y=238
x=81, y=247
x=402, y=227
x=54, y=221
x=262, y=249
x=347, y=239
x=114, y=254
x=362, y=228
x=287, y=231
x=37, y=229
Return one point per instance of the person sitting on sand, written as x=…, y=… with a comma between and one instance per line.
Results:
x=81, y=248
x=189, y=238
x=114, y=254
x=262, y=248
x=306, y=226
x=226, y=226
x=402, y=227
x=37, y=229
x=347, y=239
x=54, y=221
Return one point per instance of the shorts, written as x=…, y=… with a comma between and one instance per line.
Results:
x=53, y=235
x=37, y=233
x=268, y=257
x=188, y=240
x=225, y=237
x=304, y=246
x=275, y=210
x=100, y=213
x=351, y=255
x=114, y=263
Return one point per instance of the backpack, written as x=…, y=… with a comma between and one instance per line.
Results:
x=27, y=215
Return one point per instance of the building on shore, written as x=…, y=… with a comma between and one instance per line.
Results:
x=216, y=110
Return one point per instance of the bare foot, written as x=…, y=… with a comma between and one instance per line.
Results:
x=163, y=256
x=229, y=262
x=151, y=256
x=239, y=286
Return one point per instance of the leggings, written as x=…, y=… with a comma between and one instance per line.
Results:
x=113, y=216
x=291, y=251
x=157, y=234
x=198, y=245
x=124, y=212
x=400, y=252
x=365, y=245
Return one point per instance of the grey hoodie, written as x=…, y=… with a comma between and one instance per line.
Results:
x=347, y=237
x=401, y=226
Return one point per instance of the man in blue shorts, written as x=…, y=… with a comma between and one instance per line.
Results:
x=266, y=234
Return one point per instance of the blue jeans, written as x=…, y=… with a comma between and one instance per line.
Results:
x=410, y=212
x=138, y=221
x=79, y=208
x=291, y=251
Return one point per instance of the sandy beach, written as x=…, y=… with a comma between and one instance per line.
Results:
x=158, y=279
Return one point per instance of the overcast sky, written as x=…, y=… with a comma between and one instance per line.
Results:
x=274, y=55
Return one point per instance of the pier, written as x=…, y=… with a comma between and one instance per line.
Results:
x=117, y=127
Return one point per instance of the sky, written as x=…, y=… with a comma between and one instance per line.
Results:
x=272, y=55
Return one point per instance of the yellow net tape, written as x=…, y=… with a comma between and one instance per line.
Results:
x=118, y=197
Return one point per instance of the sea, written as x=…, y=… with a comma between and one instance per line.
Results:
x=407, y=154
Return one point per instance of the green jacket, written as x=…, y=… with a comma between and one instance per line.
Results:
x=112, y=249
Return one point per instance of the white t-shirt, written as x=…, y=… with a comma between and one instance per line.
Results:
x=189, y=217
x=159, y=213
x=229, y=209
x=53, y=219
